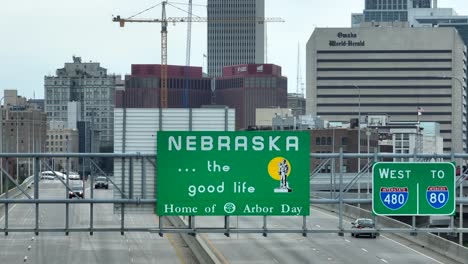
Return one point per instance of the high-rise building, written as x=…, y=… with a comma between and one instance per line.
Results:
x=88, y=84
x=412, y=74
x=418, y=14
x=234, y=43
x=252, y=86
x=22, y=130
x=142, y=87
x=391, y=10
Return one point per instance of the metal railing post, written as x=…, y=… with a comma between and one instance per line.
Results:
x=122, y=209
x=226, y=225
x=91, y=205
x=143, y=178
x=340, y=219
x=460, y=214
x=36, y=194
x=7, y=161
x=265, y=226
x=130, y=179
x=67, y=196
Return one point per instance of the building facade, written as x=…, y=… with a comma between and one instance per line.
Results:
x=252, y=86
x=297, y=104
x=142, y=88
x=22, y=130
x=61, y=139
x=392, y=10
x=238, y=42
x=353, y=72
x=331, y=140
x=88, y=84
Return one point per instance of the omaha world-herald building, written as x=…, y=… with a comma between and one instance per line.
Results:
x=354, y=72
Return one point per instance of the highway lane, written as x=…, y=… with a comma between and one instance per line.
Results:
x=316, y=248
x=140, y=247
x=150, y=248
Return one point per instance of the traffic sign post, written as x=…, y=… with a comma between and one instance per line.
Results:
x=413, y=189
x=233, y=173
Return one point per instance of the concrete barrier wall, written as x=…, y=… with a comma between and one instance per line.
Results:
x=15, y=192
x=430, y=241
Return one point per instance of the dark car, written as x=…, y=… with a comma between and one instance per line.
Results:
x=362, y=224
x=76, y=191
x=101, y=182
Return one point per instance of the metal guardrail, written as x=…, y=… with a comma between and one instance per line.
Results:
x=190, y=228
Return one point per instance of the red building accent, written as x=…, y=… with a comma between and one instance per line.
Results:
x=142, y=87
x=251, y=86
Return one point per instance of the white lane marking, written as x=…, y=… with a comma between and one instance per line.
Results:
x=384, y=260
x=317, y=226
x=347, y=240
x=405, y=246
x=275, y=260
x=365, y=250
x=1, y=218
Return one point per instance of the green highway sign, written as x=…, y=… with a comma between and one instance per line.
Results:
x=413, y=188
x=233, y=173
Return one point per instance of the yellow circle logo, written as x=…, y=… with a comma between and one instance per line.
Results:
x=278, y=166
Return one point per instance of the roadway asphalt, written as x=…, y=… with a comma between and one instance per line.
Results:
x=80, y=248
x=315, y=248
x=150, y=248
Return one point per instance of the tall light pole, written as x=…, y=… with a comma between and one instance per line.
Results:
x=359, y=126
x=462, y=88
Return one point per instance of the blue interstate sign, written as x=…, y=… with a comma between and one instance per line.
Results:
x=394, y=197
x=437, y=196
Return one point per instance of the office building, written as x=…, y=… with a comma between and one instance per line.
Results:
x=409, y=73
x=142, y=87
x=22, y=130
x=88, y=84
x=238, y=42
x=297, y=104
x=251, y=86
x=389, y=10
x=61, y=139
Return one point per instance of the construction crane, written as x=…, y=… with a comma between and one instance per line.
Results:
x=164, y=22
x=187, y=56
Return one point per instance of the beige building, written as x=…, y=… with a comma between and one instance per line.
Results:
x=352, y=72
x=60, y=139
x=22, y=130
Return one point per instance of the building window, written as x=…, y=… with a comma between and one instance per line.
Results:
x=344, y=141
x=323, y=141
x=329, y=141
x=317, y=141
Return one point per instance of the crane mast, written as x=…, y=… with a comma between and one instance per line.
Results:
x=187, y=57
x=163, y=103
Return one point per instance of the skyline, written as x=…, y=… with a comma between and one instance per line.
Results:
x=41, y=36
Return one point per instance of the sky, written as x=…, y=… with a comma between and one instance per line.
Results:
x=38, y=37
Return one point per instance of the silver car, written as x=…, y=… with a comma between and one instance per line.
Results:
x=362, y=224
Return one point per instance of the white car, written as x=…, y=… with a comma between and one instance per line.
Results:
x=74, y=176
x=50, y=175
